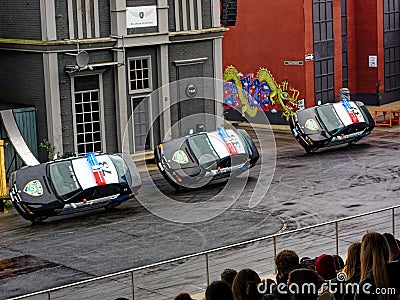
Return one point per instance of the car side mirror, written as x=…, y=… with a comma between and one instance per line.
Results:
x=323, y=132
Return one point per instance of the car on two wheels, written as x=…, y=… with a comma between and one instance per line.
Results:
x=331, y=124
x=194, y=160
x=72, y=184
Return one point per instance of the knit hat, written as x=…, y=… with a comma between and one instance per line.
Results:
x=325, y=266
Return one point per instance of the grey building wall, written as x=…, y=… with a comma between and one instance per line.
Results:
x=191, y=50
x=108, y=98
x=188, y=51
x=21, y=82
x=61, y=19
x=20, y=19
x=206, y=6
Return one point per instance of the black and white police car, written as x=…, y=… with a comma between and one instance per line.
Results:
x=331, y=124
x=194, y=160
x=72, y=184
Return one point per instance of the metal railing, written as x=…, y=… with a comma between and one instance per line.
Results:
x=384, y=221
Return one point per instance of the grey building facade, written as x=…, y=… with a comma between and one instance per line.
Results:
x=86, y=66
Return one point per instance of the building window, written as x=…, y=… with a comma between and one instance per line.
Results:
x=140, y=75
x=87, y=114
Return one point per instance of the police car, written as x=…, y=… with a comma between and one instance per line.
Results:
x=72, y=184
x=331, y=124
x=194, y=160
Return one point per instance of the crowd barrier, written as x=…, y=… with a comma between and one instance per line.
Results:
x=192, y=273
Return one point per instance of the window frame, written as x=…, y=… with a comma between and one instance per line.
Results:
x=101, y=111
x=150, y=75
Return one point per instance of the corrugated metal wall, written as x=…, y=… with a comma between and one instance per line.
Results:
x=26, y=120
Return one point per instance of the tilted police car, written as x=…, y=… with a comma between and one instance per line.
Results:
x=192, y=161
x=331, y=124
x=66, y=185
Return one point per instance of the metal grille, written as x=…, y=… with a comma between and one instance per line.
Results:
x=392, y=44
x=139, y=74
x=87, y=114
x=323, y=50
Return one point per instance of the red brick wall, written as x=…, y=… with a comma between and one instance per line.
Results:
x=337, y=35
x=368, y=40
x=266, y=34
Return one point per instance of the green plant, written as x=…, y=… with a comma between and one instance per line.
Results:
x=7, y=203
x=67, y=154
x=48, y=146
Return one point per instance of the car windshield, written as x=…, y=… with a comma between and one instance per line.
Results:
x=202, y=149
x=63, y=180
x=330, y=119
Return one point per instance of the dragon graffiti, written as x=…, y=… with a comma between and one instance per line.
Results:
x=252, y=94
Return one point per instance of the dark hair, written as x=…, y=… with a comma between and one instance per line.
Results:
x=286, y=261
x=339, y=262
x=307, y=283
x=219, y=290
x=245, y=285
x=183, y=296
x=228, y=275
x=394, y=248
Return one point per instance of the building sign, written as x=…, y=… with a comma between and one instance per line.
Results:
x=141, y=16
x=373, y=61
x=293, y=63
x=309, y=57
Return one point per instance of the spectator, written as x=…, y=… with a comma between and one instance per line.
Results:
x=325, y=267
x=308, y=262
x=376, y=269
x=219, y=290
x=245, y=285
x=353, y=264
x=183, y=296
x=286, y=261
x=303, y=284
x=393, y=247
x=352, y=273
x=228, y=275
x=339, y=263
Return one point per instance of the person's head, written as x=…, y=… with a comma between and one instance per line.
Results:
x=374, y=256
x=245, y=284
x=325, y=266
x=286, y=261
x=219, y=290
x=339, y=263
x=183, y=296
x=228, y=275
x=303, y=284
x=353, y=264
x=393, y=247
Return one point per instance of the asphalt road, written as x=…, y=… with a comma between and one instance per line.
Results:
x=305, y=189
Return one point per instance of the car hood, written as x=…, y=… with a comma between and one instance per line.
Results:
x=32, y=186
x=179, y=157
x=308, y=121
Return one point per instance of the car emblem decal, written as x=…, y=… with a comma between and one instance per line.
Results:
x=180, y=157
x=311, y=124
x=33, y=188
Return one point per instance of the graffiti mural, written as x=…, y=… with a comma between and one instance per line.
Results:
x=258, y=93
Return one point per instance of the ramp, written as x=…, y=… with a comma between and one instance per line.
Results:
x=17, y=139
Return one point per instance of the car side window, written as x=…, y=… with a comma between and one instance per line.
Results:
x=63, y=179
